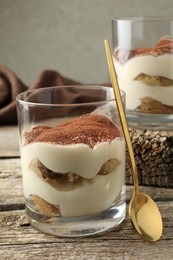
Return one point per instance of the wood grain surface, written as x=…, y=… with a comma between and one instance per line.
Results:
x=19, y=240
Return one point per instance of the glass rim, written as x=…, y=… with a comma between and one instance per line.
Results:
x=83, y=86
x=157, y=18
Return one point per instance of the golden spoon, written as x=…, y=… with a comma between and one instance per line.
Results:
x=143, y=211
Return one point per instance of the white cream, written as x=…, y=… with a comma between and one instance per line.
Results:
x=92, y=195
x=77, y=158
x=161, y=65
x=87, y=199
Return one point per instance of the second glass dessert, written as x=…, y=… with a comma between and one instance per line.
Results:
x=73, y=159
x=143, y=59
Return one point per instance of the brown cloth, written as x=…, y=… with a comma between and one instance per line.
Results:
x=11, y=86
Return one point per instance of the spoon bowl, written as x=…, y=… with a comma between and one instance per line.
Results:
x=145, y=217
x=143, y=211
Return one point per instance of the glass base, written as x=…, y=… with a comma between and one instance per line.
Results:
x=147, y=121
x=78, y=226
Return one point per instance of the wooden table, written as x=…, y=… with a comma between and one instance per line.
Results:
x=18, y=240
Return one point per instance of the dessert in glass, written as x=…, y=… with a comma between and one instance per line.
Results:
x=72, y=159
x=143, y=59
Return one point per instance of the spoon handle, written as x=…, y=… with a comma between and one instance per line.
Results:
x=120, y=107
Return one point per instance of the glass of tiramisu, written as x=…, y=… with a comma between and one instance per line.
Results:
x=72, y=159
x=143, y=59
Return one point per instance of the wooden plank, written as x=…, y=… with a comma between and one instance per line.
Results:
x=11, y=192
x=18, y=240
x=9, y=141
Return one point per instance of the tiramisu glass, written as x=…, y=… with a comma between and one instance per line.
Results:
x=143, y=59
x=72, y=159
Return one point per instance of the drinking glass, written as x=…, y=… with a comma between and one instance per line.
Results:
x=72, y=158
x=143, y=59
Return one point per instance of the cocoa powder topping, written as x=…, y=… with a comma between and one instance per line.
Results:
x=165, y=45
x=89, y=129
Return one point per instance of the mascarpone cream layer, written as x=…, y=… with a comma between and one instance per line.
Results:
x=89, y=198
x=92, y=195
x=78, y=158
x=135, y=90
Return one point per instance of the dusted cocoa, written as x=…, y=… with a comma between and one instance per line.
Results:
x=88, y=129
x=165, y=45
